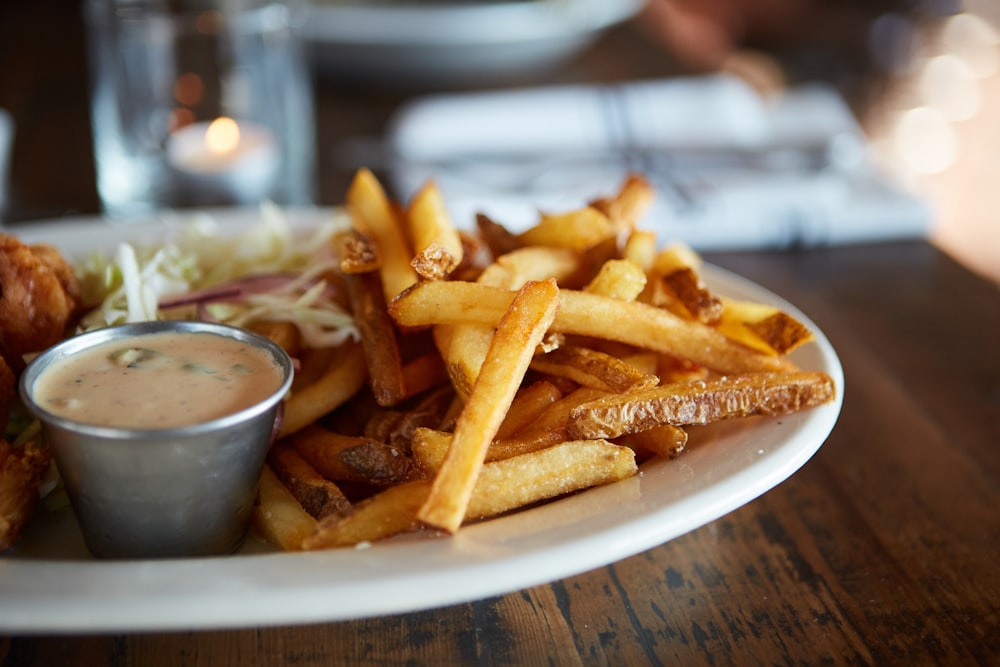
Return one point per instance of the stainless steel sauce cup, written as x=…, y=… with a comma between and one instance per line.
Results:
x=163, y=493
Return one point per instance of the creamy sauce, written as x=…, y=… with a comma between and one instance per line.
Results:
x=162, y=380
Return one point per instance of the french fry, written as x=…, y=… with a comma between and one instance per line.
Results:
x=284, y=334
x=529, y=404
x=577, y=230
x=618, y=278
x=430, y=447
x=518, y=332
x=423, y=373
x=498, y=238
x=344, y=458
x=500, y=487
x=641, y=248
x=677, y=268
x=344, y=376
x=374, y=215
x=762, y=327
x=629, y=205
x=699, y=403
x=592, y=368
x=437, y=246
x=317, y=495
x=378, y=337
x=356, y=252
x=665, y=440
x=278, y=515
x=586, y=314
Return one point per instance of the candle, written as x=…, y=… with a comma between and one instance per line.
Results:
x=224, y=159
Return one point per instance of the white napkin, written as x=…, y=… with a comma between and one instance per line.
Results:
x=731, y=169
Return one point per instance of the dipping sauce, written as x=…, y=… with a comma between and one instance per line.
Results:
x=161, y=380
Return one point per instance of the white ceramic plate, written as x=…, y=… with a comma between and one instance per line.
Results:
x=442, y=43
x=49, y=584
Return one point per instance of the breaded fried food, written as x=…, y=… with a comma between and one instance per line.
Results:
x=21, y=472
x=39, y=295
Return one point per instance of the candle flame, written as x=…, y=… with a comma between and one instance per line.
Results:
x=222, y=136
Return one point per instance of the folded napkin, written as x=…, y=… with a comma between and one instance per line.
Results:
x=731, y=169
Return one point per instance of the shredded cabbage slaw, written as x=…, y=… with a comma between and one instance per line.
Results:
x=264, y=272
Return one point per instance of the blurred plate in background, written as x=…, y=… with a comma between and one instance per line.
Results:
x=453, y=43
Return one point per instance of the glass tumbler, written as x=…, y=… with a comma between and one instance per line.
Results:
x=199, y=103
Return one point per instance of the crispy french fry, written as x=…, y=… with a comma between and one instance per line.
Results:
x=677, y=267
x=357, y=252
x=498, y=238
x=665, y=440
x=577, y=230
x=529, y=403
x=285, y=334
x=374, y=215
x=630, y=204
x=317, y=495
x=278, y=515
x=344, y=376
x=501, y=486
x=345, y=458
x=423, y=373
x=518, y=332
x=390, y=512
x=762, y=327
x=437, y=246
x=430, y=447
x=592, y=368
x=586, y=314
x=378, y=337
x=618, y=278
x=698, y=403
x=640, y=247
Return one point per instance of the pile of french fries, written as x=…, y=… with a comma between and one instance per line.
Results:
x=496, y=370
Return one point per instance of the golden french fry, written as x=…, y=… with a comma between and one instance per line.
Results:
x=437, y=246
x=700, y=402
x=317, y=495
x=591, y=368
x=278, y=515
x=374, y=215
x=344, y=376
x=518, y=332
x=357, y=252
x=665, y=440
x=640, y=247
x=423, y=373
x=630, y=204
x=501, y=486
x=618, y=278
x=577, y=230
x=378, y=337
x=529, y=403
x=498, y=238
x=345, y=458
x=390, y=512
x=430, y=447
x=762, y=327
x=634, y=323
x=677, y=269
x=285, y=334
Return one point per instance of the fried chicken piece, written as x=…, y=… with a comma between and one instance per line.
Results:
x=39, y=294
x=21, y=472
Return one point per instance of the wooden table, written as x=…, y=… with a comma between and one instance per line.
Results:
x=883, y=549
